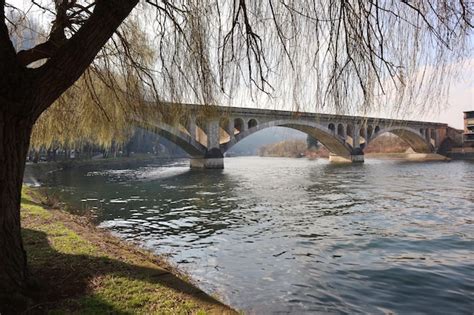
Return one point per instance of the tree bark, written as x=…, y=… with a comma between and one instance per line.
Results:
x=24, y=94
x=14, y=142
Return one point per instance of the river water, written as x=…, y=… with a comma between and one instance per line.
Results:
x=276, y=235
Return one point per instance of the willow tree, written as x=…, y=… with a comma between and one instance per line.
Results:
x=96, y=110
x=350, y=55
x=75, y=120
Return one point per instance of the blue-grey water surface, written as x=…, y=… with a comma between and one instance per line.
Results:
x=276, y=235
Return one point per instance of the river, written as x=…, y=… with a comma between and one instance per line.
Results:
x=277, y=235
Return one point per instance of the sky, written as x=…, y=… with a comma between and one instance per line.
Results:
x=461, y=96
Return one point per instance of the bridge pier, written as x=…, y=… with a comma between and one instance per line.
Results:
x=214, y=159
x=207, y=163
x=353, y=158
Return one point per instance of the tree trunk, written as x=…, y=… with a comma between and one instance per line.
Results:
x=14, y=142
x=36, y=156
x=24, y=94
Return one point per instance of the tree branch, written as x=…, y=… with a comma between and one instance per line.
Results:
x=11, y=73
x=7, y=51
x=71, y=59
x=41, y=51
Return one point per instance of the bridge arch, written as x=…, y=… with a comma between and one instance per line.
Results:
x=350, y=130
x=341, y=130
x=332, y=142
x=252, y=123
x=331, y=128
x=178, y=137
x=370, y=132
x=239, y=124
x=411, y=136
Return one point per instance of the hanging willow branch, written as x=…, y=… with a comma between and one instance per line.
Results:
x=354, y=56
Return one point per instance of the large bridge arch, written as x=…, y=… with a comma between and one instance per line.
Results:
x=178, y=137
x=411, y=136
x=334, y=143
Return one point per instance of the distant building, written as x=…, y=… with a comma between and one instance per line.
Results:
x=469, y=128
x=461, y=142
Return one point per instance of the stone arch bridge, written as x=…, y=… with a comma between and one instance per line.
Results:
x=207, y=132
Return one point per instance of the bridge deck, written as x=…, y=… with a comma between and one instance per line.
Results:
x=275, y=113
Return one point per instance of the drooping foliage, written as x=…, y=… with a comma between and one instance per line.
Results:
x=76, y=119
x=105, y=104
x=358, y=56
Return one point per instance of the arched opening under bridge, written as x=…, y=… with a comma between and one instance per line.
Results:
x=333, y=143
x=397, y=139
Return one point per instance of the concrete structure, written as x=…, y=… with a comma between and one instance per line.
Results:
x=462, y=146
x=207, y=132
x=468, y=136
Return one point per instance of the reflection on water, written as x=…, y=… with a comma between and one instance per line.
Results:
x=292, y=235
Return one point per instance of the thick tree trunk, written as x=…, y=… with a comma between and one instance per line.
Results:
x=14, y=141
x=24, y=94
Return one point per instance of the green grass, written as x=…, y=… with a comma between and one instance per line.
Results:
x=32, y=209
x=82, y=270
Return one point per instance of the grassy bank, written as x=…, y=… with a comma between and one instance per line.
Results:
x=81, y=269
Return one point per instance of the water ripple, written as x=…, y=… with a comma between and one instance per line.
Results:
x=276, y=235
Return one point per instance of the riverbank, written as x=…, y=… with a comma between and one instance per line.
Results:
x=463, y=153
x=408, y=156
x=81, y=269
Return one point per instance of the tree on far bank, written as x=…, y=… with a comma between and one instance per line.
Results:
x=347, y=55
